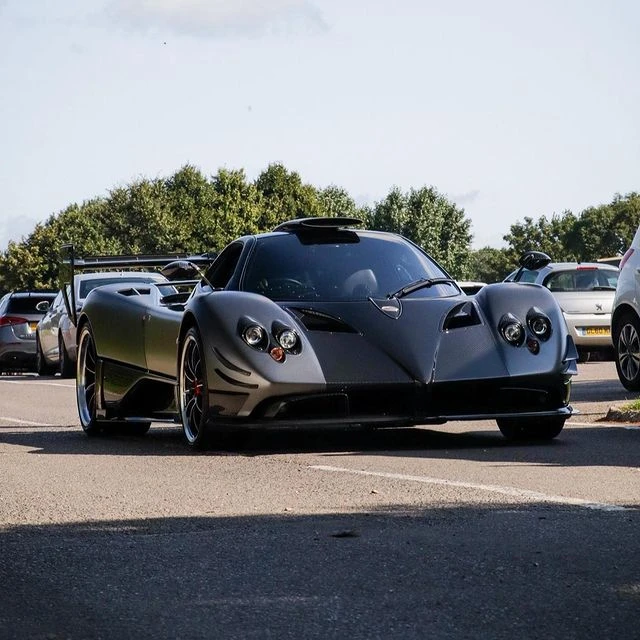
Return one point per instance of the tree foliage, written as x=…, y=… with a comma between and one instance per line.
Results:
x=189, y=212
x=431, y=221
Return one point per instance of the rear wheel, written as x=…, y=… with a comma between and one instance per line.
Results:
x=43, y=368
x=531, y=428
x=193, y=391
x=627, y=351
x=67, y=370
x=86, y=389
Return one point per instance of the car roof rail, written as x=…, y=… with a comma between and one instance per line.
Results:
x=318, y=224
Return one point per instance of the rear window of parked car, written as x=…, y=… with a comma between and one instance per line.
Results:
x=586, y=279
x=26, y=304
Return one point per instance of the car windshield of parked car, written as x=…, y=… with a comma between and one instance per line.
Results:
x=582, y=279
x=282, y=267
x=88, y=285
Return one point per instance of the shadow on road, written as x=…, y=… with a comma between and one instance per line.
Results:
x=614, y=445
x=534, y=572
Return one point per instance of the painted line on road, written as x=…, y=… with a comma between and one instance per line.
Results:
x=27, y=422
x=506, y=491
x=46, y=384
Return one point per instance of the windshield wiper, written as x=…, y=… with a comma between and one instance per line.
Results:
x=419, y=284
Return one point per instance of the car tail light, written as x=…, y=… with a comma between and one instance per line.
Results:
x=625, y=257
x=10, y=320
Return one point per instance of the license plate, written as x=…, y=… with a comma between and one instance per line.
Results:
x=597, y=331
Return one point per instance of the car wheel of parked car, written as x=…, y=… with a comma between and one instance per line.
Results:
x=627, y=351
x=192, y=390
x=43, y=368
x=86, y=394
x=67, y=369
x=531, y=428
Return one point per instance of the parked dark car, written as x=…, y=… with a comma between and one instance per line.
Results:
x=18, y=320
x=319, y=324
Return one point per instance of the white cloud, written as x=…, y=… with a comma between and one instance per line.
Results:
x=217, y=18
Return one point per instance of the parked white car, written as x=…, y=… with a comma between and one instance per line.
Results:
x=625, y=319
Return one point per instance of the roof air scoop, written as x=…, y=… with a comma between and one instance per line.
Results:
x=391, y=307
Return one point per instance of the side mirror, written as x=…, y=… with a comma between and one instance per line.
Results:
x=533, y=260
x=43, y=306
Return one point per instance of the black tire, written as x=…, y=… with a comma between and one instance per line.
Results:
x=531, y=428
x=86, y=383
x=67, y=366
x=86, y=395
x=193, y=391
x=43, y=368
x=584, y=355
x=626, y=342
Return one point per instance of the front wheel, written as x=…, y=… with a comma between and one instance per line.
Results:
x=626, y=341
x=531, y=428
x=193, y=391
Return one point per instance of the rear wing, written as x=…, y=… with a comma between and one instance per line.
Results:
x=70, y=263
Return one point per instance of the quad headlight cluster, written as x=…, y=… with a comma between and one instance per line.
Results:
x=514, y=331
x=280, y=341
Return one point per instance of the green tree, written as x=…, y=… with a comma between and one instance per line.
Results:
x=285, y=197
x=491, y=265
x=431, y=221
x=547, y=235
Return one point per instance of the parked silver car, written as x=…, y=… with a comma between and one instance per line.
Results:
x=18, y=320
x=585, y=292
x=625, y=319
x=55, y=344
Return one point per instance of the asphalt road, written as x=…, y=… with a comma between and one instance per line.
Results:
x=414, y=533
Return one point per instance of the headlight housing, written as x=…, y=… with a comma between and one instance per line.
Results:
x=512, y=330
x=255, y=336
x=288, y=339
x=539, y=324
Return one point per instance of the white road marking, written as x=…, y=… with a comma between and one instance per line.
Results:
x=46, y=384
x=27, y=422
x=507, y=491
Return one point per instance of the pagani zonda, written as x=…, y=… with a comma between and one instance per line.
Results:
x=319, y=324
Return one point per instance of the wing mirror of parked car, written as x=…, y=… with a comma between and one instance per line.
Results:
x=43, y=306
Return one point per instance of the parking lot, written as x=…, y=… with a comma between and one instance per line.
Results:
x=444, y=532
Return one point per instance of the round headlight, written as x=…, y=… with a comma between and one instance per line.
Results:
x=254, y=335
x=288, y=339
x=539, y=324
x=512, y=330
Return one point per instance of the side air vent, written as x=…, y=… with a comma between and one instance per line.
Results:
x=462, y=315
x=318, y=321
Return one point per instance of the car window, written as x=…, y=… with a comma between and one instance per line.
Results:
x=26, y=304
x=582, y=279
x=288, y=268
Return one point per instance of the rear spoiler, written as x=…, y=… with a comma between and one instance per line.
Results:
x=70, y=263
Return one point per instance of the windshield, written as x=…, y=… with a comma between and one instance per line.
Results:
x=282, y=267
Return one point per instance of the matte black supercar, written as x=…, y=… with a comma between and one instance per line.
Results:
x=320, y=324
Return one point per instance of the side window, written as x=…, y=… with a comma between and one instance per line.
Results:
x=220, y=272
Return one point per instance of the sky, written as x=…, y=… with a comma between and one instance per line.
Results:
x=511, y=109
